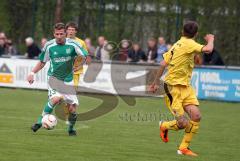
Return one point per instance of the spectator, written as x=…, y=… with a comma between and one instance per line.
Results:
x=169, y=46
x=2, y=46
x=136, y=54
x=3, y=36
x=162, y=48
x=123, y=50
x=98, y=52
x=2, y=43
x=152, y=50
x=213, y=58
x=10, y=48
x=105, y=54
x=101, y=53
x=90, y=47
x=32, y=49
x=43, y=42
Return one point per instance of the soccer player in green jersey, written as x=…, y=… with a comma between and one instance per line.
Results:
x=61, y=53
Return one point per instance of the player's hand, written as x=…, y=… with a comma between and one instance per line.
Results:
x=88, y=60
x=153, y=88
x=30, y=78
x=209, y=37
x=75, y=69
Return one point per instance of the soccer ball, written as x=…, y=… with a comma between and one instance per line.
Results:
x=49, y=121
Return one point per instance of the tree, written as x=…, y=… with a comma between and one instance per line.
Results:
x=58, y=11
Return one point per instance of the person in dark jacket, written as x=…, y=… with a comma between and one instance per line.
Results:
x=212, y=59
x=2, y=43
x=152, y=50
x=2, y=48
x=32, y=49
x=136, y=54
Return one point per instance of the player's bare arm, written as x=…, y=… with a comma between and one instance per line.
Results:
x=87, y=60
x=154, y=86
x=36, y=69
x=210, y=43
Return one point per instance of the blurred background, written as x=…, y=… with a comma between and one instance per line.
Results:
x=135, y=20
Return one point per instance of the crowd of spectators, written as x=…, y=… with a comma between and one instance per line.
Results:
x=124, y=51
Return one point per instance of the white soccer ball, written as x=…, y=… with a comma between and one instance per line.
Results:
x=49, y=121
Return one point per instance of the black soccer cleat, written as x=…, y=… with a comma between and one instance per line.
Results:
x=72, y=133
x=35, y=127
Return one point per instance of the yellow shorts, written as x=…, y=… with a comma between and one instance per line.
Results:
x=76, y=78
x=178, y=96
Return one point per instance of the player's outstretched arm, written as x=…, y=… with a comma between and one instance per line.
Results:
x=37, y=68
x=88, y=60
x=154, y=86
x=210, y=43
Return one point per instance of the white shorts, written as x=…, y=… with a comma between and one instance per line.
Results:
x=69, y=95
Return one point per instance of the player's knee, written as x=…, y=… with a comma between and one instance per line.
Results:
x=55, y=100
x=182, y=122
x=196, y=117
x=182, y=125
x=72, y=108
x=193, y=112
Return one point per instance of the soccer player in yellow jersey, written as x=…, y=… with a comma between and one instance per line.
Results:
x=180, y=97
x=71, y=30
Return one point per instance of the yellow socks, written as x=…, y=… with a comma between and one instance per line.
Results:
x=190, y=130
x=171, y=125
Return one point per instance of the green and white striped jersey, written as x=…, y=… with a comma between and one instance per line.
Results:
x=61, y=58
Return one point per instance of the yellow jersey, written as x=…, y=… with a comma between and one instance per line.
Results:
x=78, y=60
x=180, y=60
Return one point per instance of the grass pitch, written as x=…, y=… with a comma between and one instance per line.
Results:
x=125, y=134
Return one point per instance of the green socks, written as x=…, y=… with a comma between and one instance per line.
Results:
x=72, y=120
x=47, y=110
